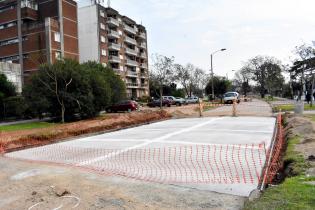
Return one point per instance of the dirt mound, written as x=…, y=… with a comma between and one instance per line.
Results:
x=298, y=126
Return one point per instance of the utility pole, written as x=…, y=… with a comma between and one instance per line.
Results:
x=212, y=79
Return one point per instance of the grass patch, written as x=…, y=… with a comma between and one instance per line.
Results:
x=290, y=107
x=296, y=160
x=311, y=117
x=294, y=193
x=25, y=126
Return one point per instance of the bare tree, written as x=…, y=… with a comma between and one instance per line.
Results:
x=190, y=77
x=57, y=82
x=162, y=72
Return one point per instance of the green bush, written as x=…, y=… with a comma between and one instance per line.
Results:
x=14, y=106
x=68, y=90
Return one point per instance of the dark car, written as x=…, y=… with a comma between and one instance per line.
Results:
x=123, y=106
x=157, y=102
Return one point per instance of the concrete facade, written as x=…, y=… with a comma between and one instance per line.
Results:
x=13, y=73
x=112, y=39
x=34, y=32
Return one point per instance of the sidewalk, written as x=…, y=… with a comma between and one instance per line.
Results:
x=23, y=121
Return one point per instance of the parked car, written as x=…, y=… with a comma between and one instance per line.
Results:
x=157, y=103
x=192, y=100
x=123, y=106
x=181, y=100
x=174, y=101
x=229, y=97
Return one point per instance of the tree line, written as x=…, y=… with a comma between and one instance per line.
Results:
x=266, y=75
x=65, y=90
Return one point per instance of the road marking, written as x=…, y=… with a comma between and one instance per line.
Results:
x=159, y=139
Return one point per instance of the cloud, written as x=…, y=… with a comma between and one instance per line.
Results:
x=190, y=29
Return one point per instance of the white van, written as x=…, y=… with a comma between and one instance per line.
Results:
x=229, y=97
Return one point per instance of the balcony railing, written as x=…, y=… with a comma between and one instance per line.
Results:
x=131, y=62
x=132, y=74
x=143, y=75
x=143, y=45
x=144, y=65
x=113, y=21
x=132, y=84
x=143, y=55
x=142, y=35
x=130, y=29
x=131, y=51
x=113, y=58
x=113, y=46
x=113, y=33
x=144, y=85
x=130, y=40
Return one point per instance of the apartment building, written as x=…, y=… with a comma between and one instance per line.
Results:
x=118, y=41
x=33, y=32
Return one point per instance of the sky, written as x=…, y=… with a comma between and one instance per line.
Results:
x=190, y=30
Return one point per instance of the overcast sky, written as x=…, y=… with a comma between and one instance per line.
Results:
x=190, y=30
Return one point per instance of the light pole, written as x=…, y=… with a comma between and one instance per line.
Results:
x=212, y=75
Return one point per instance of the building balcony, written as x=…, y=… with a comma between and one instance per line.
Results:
x=131, y=51
x=113, y=46
x=132, y=74
x=144, y=85
x=131, y=62
x=144, y=75
x=114, y=59
x=130, y=40
x=132, y=85
x=143, y=45
x=113, y=34
x=142, y=35
x=112, y=21
x=130, y=29
x=117, y=71
x=144, y=65
x=143, y=55
x=29, y=13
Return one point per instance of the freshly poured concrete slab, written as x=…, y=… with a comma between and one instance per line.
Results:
x=246, y=133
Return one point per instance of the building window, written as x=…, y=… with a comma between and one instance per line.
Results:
x=103, y=39
x=103, y=52
x=30, y=4
x=57, y=36
x=102, y=26
x=102, y=14
x=58, y=55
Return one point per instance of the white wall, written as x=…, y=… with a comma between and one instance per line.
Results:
x=13, y=73
x=88, y=33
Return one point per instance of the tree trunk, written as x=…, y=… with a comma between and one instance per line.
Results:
x=161, y=97
x=63, y=110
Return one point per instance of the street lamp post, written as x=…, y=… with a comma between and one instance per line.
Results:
x=212, y=75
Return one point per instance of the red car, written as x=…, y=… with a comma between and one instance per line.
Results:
x=123, y=106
